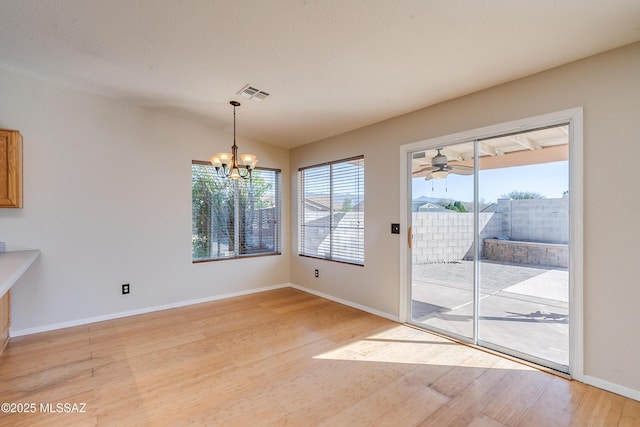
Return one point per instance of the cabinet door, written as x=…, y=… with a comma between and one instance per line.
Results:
x=5, y=319
x=10, y=169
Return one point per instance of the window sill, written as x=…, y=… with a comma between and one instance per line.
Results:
x=200, y=261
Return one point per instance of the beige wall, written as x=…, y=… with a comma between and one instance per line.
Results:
x=608, y=87
x=107, y=198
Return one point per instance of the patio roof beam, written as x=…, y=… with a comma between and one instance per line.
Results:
x=452, y=154
x=525, y=142
x=487, y=149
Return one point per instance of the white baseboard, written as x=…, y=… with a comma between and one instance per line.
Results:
x=609, y=386
x=347, y=303
x=88, y=320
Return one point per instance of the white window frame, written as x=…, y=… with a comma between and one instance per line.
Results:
x=340, y=247
x=235, y=252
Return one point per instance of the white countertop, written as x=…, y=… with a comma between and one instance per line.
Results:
x=13, y=264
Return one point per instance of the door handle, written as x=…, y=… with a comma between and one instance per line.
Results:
x=410, y=238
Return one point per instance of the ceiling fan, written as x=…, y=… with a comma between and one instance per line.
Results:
x=440, y=168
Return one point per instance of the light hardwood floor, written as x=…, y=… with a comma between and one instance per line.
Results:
x=284, y=357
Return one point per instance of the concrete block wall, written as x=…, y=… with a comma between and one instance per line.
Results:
x=535, y=220
x=447, y=236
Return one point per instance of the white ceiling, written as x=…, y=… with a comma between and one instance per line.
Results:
x=330, y=65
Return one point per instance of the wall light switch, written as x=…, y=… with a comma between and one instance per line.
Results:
x=395, y=228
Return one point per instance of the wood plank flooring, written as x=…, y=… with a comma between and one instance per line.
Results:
x=283, y=358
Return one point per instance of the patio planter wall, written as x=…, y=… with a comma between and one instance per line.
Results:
x=532, y=253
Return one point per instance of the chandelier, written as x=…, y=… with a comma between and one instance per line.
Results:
x=229, y=165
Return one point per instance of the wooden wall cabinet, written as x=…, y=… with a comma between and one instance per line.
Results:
x=10, y=169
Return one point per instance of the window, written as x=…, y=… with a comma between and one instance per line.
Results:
x=332, y=211
x=234, y=218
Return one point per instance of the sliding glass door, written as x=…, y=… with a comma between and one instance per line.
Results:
x=490, y=242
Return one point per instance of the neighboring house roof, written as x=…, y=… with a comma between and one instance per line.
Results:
x=316, y=204
x=323, y=203
x=432, y=207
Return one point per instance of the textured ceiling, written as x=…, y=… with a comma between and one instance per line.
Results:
x=330, y=65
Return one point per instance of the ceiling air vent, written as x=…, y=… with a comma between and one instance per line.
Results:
x=252, y=93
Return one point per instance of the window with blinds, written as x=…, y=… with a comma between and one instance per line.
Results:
x=234, y=218
x=331, y=211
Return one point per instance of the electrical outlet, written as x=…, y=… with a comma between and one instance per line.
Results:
x=125, y=288
x=316, y=273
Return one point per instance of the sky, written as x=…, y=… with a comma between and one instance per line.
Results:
x=548, y=179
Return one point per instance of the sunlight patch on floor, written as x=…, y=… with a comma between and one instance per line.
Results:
x=407, y=345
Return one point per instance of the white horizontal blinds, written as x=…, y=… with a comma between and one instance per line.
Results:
x=260, y=213
x=347, y=195
x=232, y=218
x=315, y=210
x=212, y=210
x=332, y=211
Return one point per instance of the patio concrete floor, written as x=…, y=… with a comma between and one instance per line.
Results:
x=522, y=307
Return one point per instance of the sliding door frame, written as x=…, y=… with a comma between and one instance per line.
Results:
x=572, y=117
